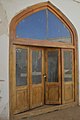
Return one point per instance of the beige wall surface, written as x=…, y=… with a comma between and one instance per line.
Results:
x=9, y=9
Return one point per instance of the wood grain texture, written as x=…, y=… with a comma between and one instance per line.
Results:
x=16, y=94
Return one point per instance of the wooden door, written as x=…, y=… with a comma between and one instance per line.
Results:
x=21, y=79
x=36, y=77
x=67, y=75
x=53, y=76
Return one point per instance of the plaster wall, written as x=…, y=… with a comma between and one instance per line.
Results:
x=9, y=9
x=4, y=77
x=4, y=65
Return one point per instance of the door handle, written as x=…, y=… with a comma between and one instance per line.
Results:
x=44, y=75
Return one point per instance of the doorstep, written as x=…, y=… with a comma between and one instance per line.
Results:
x=42, y=110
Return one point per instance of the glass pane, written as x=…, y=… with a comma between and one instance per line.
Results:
x=36, y=66
x=33, y=26
x=21, y=67
x=43, y=25
x=57, y=31
x=67, y=66
x=52, y=66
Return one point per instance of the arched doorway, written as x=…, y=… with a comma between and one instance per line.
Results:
x=43, y=59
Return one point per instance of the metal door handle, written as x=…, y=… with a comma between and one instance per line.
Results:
x=44, y=76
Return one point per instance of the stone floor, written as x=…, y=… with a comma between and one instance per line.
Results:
x=72, y=113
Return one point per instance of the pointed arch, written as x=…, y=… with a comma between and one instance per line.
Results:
x=35, y=9
x=63, y=47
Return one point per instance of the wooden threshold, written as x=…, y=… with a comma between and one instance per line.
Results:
x=42, y=110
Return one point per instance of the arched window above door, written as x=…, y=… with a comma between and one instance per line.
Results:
x=43, y=25
x=43, y=59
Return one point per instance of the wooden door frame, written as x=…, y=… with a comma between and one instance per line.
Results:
x=14, y=77
x=63, y=82
x=42, y=83
x=28, y=42
x=58, y=83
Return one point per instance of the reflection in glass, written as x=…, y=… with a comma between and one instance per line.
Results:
x=21, y=67
x=43, y=25
x=57, y=31
x=33, y=26
x=67, y=66
x=36, y=66
x=52, y=66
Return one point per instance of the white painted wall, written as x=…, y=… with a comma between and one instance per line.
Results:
x=4, y=65
x=4, y=77
x=9, y=9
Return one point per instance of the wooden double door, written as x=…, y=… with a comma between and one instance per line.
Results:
x=45, y=84
x=38, y=78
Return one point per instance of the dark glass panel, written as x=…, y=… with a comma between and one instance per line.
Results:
x=21, y=67
x=52, y=66
x=67, y=66
x=36, y=66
